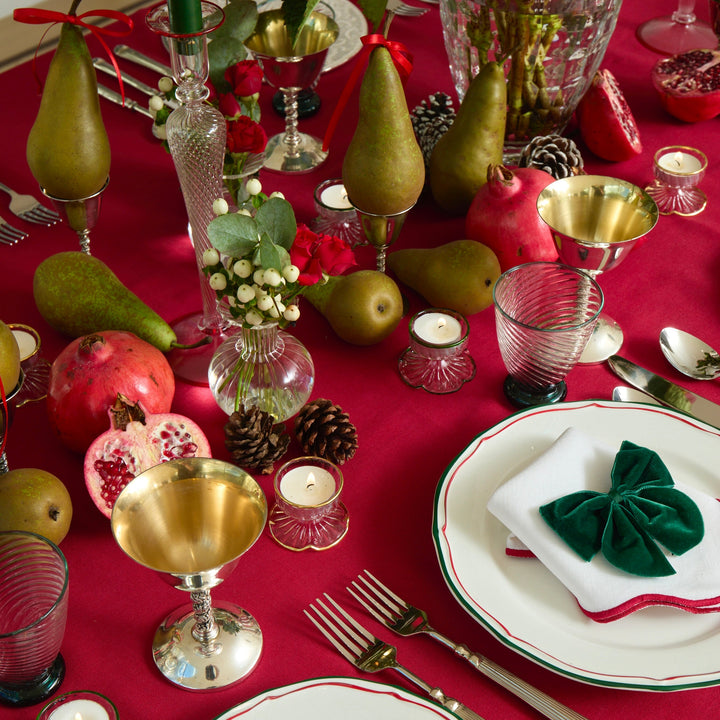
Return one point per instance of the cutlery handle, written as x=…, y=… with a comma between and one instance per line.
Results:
x=128, y=53
x=116, y=98
x=543, y=703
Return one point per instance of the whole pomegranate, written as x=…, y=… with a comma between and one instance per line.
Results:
x=689, y=84
x=503, y=215
x=88, y=374
x=606, y=121
x=136, y=441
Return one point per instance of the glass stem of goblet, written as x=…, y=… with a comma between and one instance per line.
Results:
x=685, y=13
x=205, y=629
x=292, y=136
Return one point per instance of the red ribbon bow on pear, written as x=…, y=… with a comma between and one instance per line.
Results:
x=402, y=58
x=35, y=16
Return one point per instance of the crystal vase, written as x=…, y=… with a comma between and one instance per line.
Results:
x=265, y=367
x=196, y=134
x=550, y=50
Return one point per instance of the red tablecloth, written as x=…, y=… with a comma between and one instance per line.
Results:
x=407, y=437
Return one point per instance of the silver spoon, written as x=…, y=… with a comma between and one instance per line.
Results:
x=690, y=355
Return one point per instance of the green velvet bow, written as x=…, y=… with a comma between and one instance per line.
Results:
x=642, y=507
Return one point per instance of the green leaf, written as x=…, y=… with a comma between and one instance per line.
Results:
x=222, y=54
x=296, y=13
x=269, y=254
x=227, y=42
x=373, y=10
x=233, y=234
x=276, y=218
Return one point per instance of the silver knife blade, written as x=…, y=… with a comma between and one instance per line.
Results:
x=666, y=392
x=138, y=58
x=116, y=98
x=106, y=67
x=621, y=393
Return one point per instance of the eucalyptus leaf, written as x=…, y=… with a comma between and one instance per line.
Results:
x=224, y=53
x=373, y=11
x=269, y=255
x=277, y=218
x=233, y=234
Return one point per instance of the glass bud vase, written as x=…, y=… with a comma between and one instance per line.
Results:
x=550, y=52
x=262, y=366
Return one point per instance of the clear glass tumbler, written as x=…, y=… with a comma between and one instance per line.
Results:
x=33, y=612
x=545, y=313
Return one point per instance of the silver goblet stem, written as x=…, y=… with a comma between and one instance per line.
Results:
x=205, y=629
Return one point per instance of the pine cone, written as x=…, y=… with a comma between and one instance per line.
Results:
x=254, y=441
x=324, y=430
x=431, y=120
x=554, y=154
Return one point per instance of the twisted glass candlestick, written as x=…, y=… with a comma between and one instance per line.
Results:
x=196, y=135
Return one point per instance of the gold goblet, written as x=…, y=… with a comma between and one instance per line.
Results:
x=292, y=68
x=596, y=222
x=190, y=520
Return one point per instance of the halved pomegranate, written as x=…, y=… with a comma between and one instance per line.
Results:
x=607, y=125
x=689, y=84
x=136, y=441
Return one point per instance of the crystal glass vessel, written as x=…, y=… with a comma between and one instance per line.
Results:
x=196, y=136
x=550, y=52
x=265, y=367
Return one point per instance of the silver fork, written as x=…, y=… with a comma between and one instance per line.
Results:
x=370, y=654
x=9, y=235
x=398, y=7
x=26, y=207
x=405, y=620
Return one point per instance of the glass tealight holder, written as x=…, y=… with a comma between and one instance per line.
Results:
x=437, y=359
x=79, y=704
x=308, y=514
x=335, y=213
x=678, y=171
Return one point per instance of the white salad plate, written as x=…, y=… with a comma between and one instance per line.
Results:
x=351, y=23
x=333, y=697
x=522, y=603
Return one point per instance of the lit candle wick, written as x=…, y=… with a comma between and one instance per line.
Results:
x=441, y=323
x=78, y=716
x=310, y=483
x=678, y=158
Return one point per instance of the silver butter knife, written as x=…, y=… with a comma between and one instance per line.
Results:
x=138, y=58
x=664, y=391
x=106, y=67
x=116, y=98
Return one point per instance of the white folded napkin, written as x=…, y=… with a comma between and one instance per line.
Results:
x=576, y=462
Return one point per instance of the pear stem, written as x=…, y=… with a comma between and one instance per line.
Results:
x=74, y=7
x=389, y=15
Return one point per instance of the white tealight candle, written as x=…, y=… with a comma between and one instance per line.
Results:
x=26, y=343
x=437, y=328
x=307, y=485
x=679, y=162
x=336, y=197
x=79, y=709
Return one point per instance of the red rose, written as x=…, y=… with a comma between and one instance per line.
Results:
x=245, y=78
x=315, y=255
x=229, y=106
x=245, y=135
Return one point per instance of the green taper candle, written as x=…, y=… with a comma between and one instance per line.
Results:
x=185, y=16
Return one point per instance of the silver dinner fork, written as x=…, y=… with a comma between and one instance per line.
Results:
x=9, y=235
x=369, y=654
x=26, y=207
x=405, y=620
x=398, y=7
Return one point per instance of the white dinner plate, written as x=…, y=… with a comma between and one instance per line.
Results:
x=522, y=603
x=351, y=23
x=333, y=697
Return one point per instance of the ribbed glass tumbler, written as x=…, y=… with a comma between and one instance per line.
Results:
x=545, y=313
x=33, y=611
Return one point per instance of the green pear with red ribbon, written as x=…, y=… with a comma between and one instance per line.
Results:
x=68, y=150
x=383, y=170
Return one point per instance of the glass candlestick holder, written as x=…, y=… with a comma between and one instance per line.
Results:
x=335, y=213
x=79, y=704
x=308, y=514
x=437, y=359
x=678, y=171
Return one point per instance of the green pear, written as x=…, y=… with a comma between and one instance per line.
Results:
x=383, y=169
x=67, y=150
x=9, y=360
x=77, y=294
x=460, y=158
x=363, y=308
x=459, y=275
